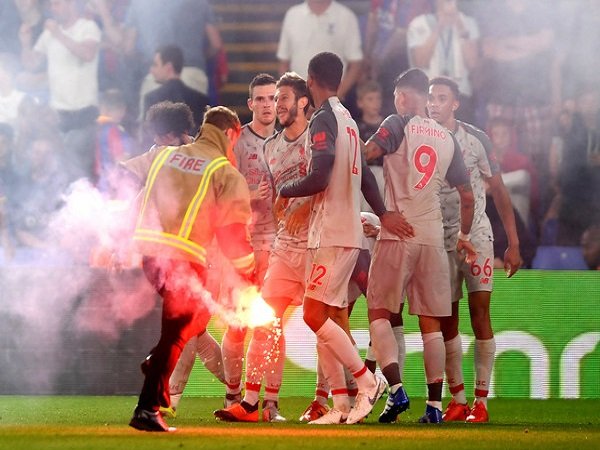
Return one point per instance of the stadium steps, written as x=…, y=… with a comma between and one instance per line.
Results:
x=250, y=31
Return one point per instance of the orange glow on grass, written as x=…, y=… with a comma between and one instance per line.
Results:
x=252, y=310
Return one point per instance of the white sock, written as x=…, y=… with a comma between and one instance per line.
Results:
x=181, y=373
x=334, y=372
x=274, y=370
x=384, y=343
x=255, y=364
x=342, y=348
x=434, y=355
x=233, y=355
x=399, y=335
x=209, y=352
x=454, y=373
x=322, y=389
x=485, y=351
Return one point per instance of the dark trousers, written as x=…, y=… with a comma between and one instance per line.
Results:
x=183, y=316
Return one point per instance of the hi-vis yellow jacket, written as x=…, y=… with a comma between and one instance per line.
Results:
x=191, y=193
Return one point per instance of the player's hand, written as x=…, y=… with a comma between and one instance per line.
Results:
x=467, y=249
x=52, y=26
x=370, y=230
x=512, y=261
x=297, y=218
x=396, y=223
x=279, y=207
x=263, y=190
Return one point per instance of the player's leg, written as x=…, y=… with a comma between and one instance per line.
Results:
x=430, y=298
x=209, y=352
x=180, y=376
x=328, y=284
x=334, y=373
x=458, y=408
x=318, y=407
x=384, y=299
x=232, y=348
x=485, y=351
x=434, y=356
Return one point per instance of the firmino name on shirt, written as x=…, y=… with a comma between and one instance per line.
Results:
x=427, y=131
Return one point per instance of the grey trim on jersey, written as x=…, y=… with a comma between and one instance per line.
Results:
x=457, y=174
x=485, y=142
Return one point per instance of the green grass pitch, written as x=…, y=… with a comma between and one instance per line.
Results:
x=82, y=422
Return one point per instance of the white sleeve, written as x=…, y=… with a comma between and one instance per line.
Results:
x=353, y=44
x=41, y=46
x=418, y=31
x=284, y=50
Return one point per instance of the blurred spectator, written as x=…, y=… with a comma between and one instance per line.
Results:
x=590, y=243
x=369, y=103
x=386, y=53
x=445, y=43
x=34, y=118
x=37, y=194
x=9, y=26
x=576, y=204
x=527, y=240
x=113, y=143
x=166, y=71
x=521, y=80
x=188, y=24
x=504, y=140
x=578, y=31
x=10, y=96
x=69, y=44
x=6, y=184
x=32, y=17
x=115, y=69
x=321, y=26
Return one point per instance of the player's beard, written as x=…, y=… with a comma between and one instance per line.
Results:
x=291, y=116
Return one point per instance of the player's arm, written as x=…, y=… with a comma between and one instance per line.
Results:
x=392, y=220
x=503, y=203
x=512, y=255
x=458, y=177
x=388, y=137
x=323, y=133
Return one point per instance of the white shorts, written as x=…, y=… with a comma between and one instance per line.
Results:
x=479, y=276
x=285, y=276
x=328, y=271
x=402, y=269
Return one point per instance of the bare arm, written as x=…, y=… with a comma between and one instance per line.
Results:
x=85, y=50
x=373, y=151
x=351, y=76
x=284, y=66
x=467, y=202
x=512, y=255
x=215, y=43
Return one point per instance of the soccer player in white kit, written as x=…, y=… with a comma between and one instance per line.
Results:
x=478, y=276
x=248, y=153
x=419, y=155
x=334, y=182
x=287, y=158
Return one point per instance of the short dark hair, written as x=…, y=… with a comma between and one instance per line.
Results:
x=297, y=83
x=414, y=79
x=172, y=54
x=367, y=87
x=446, y=81
x=326, y=69
x=262, y=79
x=222, y=117
x=167, y=117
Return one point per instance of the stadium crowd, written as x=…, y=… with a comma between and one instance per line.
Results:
x=83, y=85
x=75, y=74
